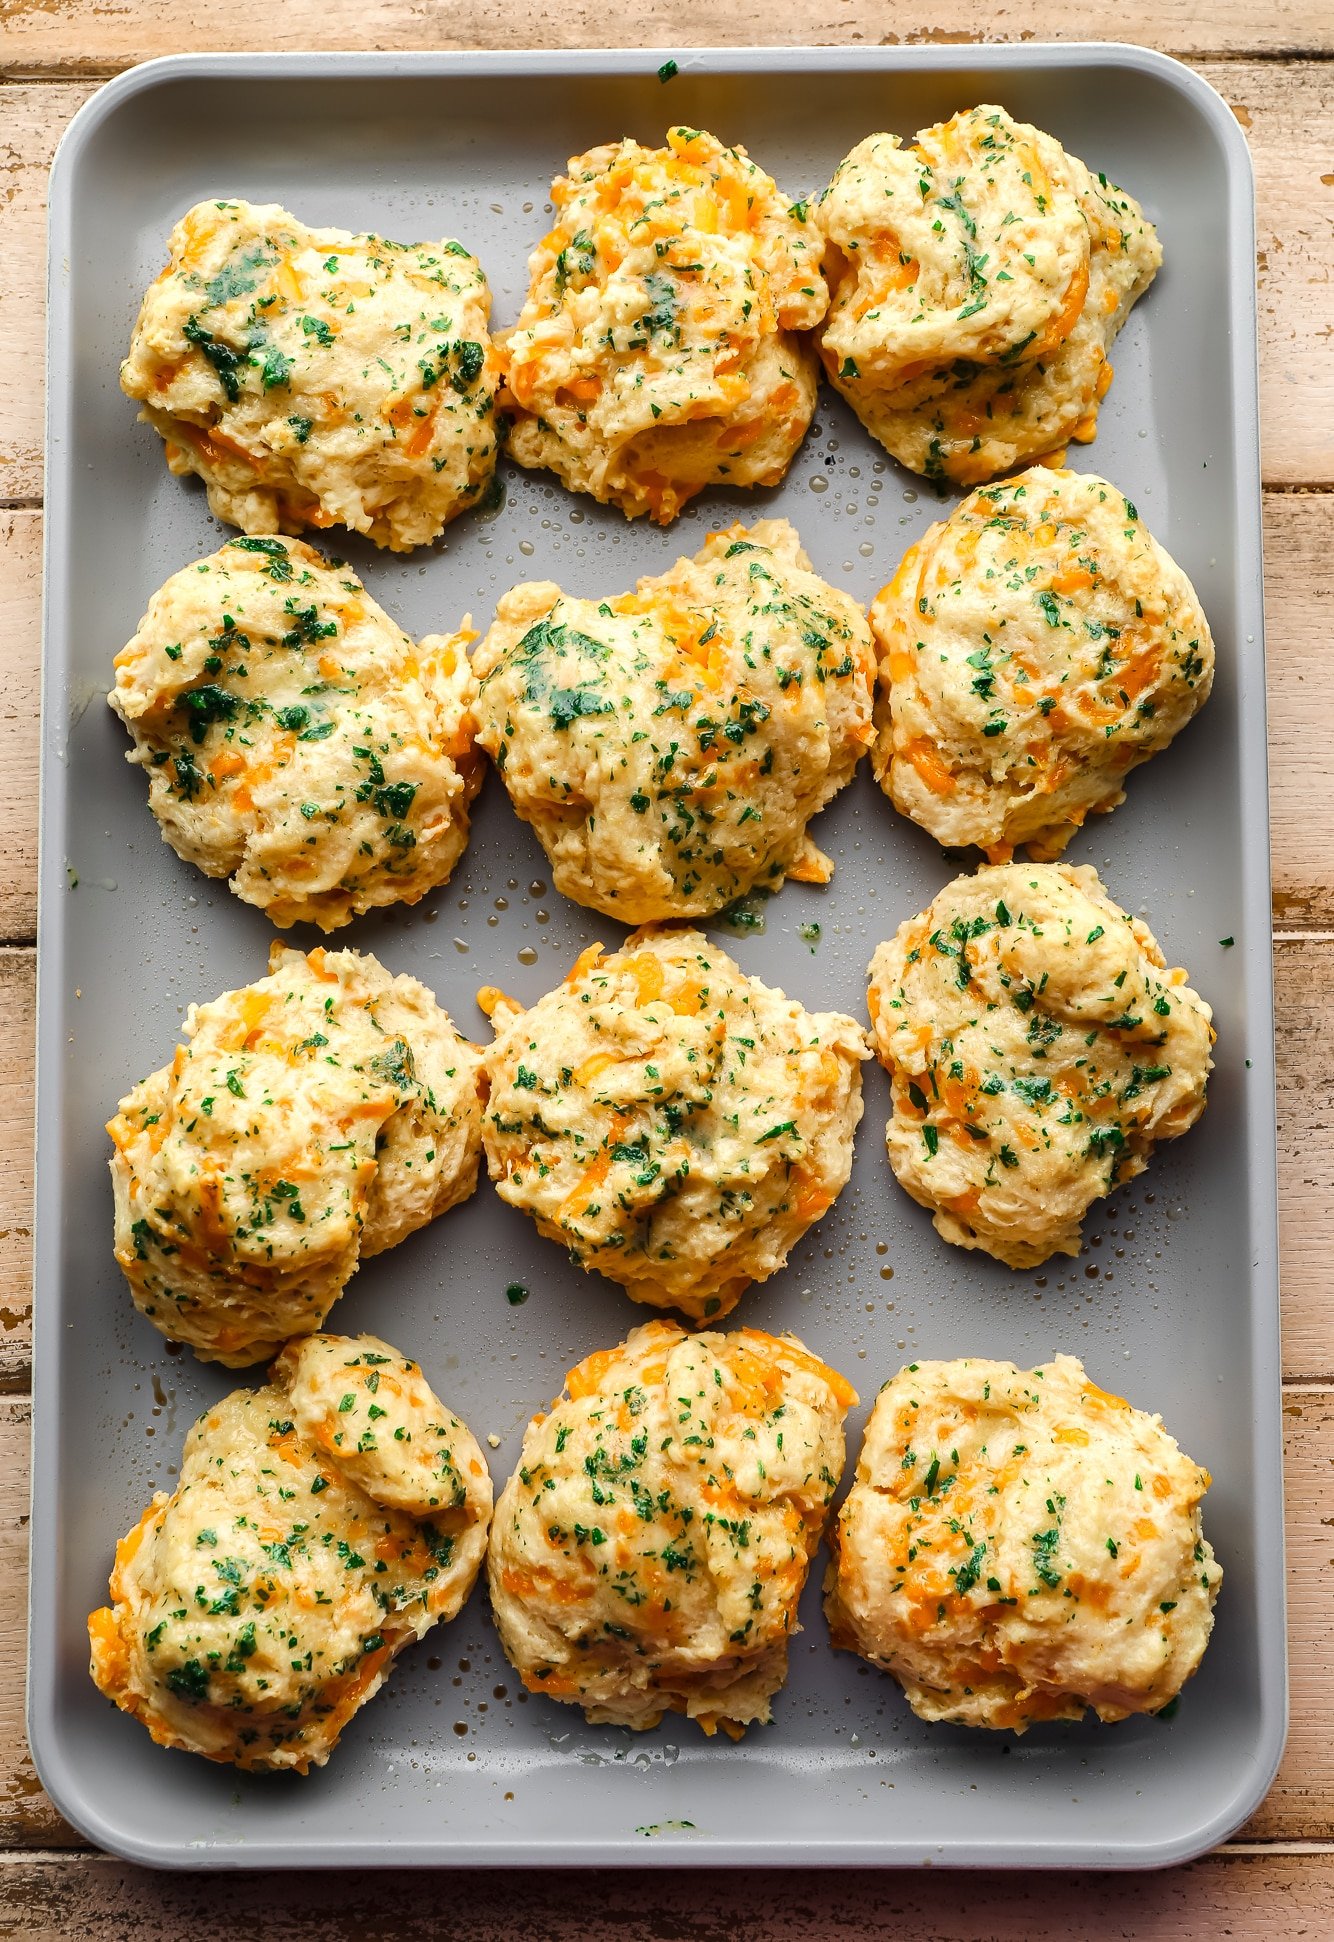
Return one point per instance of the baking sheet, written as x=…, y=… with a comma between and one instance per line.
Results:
x=1174, y=1301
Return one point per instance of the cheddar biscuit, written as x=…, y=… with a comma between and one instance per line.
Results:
x=1019, y=1546
x=649, y=1552
x=321, y=1523
x=675, y=1124
x=657, y=352
x=317, y=1116
x=295, y=740
x=1038, y=1051
x=312, y=377
x=977, y=280
x=670, y=745
x=1034, y=648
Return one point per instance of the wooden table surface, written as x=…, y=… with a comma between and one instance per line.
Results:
x=1273, y=61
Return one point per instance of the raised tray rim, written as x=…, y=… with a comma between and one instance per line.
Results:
x=62, y=1782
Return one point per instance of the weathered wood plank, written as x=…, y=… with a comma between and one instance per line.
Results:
x=1283, y=107
x=1301, y=1801
x=32, y=120
x=92, y=36
x=1288, y=131
x=1300, y=1805
x=17, y=1018
x=27, y=1818
x=20, y=688
x=1304, y=1029
x=1299, y=619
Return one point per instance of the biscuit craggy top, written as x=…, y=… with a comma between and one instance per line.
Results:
x=313, y=377
x=1038, y=1050
x=654, y=353
x=1019, y=1545
x=966, y=390
x=321, y=1523
x=295, y=739
x=669, y=745
x=321, y=1114
x=650, y=1550
x=1036, y=646
x=970, y=244
x=676, y=1124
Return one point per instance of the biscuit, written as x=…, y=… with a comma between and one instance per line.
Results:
x=978, y=280
x=321, y=1523
x=670, y=745
x=316, y=1117
x=1038, y=1050
x=1034, y=648
x=649, y=1552
x=1019, y=1545
x=656, y=353
x=312, y=377
x=677, y=1125
x=295, y=740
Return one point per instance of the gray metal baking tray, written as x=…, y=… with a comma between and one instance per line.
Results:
x=1175, y=1299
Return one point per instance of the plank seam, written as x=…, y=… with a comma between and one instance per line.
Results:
x=1268, y=56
